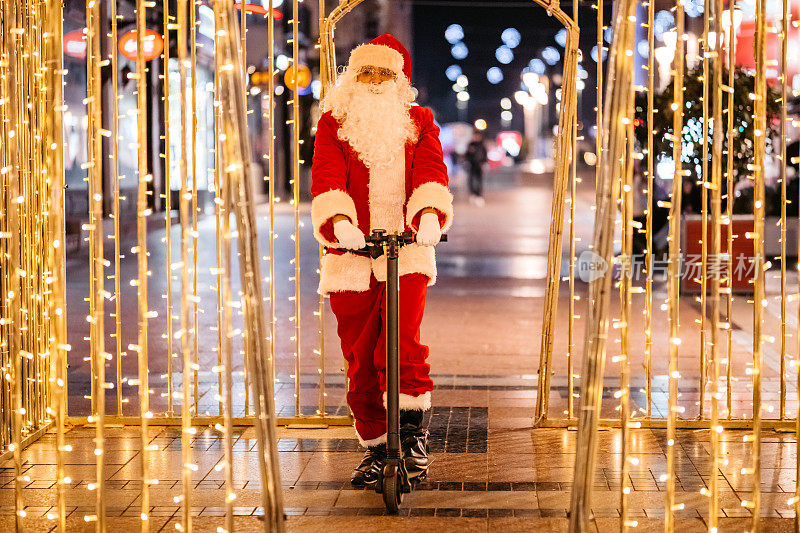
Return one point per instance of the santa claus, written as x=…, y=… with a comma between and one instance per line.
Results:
x=378, y=165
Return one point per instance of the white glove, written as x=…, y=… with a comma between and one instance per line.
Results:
x=429, y=232
x=348, y=235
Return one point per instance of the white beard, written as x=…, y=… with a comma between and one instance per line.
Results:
x=374, y=119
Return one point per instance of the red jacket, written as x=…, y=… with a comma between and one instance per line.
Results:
x=389, y=199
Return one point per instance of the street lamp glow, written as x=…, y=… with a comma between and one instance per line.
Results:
x=463, y=96
x=670, y=39
x=530, y=79
x=522, y=97
x=453, y=72
x=494, y=75
x=462, y=81
x=561, y=37
x=504, y=54
x=537, y=65
x=505, y=103
x=663, y=21
x=511, y=37
x=551, y=55
x=480, y=124
x=540, y=95
x=454, y=33
x=459, y=51
x=281, y=62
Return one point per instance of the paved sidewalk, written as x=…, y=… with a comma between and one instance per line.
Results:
x=491, y=471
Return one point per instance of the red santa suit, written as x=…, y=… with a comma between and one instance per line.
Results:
x=390, y=198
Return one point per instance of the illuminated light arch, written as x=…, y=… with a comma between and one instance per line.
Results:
x=564, y=146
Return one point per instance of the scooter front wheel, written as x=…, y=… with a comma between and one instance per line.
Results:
x=392, y=488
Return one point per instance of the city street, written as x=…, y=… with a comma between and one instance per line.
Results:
x=491, y=470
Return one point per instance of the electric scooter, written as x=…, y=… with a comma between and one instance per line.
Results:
x=393, y=481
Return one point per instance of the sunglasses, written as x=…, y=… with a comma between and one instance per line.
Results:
x=381, y=72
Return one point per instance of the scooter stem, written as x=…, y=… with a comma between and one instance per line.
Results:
x=392, y=351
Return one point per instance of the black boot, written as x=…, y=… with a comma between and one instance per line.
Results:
x=368, y=471
x=414, y=443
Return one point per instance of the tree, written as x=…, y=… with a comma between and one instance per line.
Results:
x=692, y=135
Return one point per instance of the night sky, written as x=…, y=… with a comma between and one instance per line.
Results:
x=483, y=23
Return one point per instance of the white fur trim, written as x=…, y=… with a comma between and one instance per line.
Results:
x=431, y=194
x=387, y=193
x=345, y=272
x=370, y=442
x=376, y=55
x=413, y=403
x=327, y=205
x=414, y=259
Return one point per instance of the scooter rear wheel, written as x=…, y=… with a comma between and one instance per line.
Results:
x=392, y=489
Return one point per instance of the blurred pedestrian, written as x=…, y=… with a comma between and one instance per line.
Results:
x=476, y=157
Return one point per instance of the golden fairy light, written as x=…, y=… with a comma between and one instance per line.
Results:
x=114, y=149
x=759, y=300
x=615, y=146
x=649, y=252
x=142, y=212
x=729, y=210
x=96, y=257
x=168, y=336
x=32, y=312
x=714, y=50
x=625, y=190
x=54, y=147
x=673, y=302
x=184, y=333
x=295, y=182
x=224, y=360
x=571, y=275
x=703, y=182
x=195, y=299
x=235, y=150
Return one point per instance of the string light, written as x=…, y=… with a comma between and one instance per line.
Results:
x=96, y=256
x=613, y=153
x=235, y=150
x=760, y=118
x=674, y=262
x=167, y=155
x=729, y=209
x=142, y=211
x=571, y=278
x=625, y=191
x=716, y=217
x=649, y=252
x=187, y=407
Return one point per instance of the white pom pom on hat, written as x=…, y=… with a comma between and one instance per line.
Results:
x=383, y=51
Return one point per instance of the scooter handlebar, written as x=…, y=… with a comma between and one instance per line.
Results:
x=379, y=237
x=407, y=237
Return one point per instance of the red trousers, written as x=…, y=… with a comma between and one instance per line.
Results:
x=361, y=318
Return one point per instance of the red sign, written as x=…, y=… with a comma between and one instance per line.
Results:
x=743, y=264
x=153, y=45
x=746, y=36
x=258, y=9
x=75, y=44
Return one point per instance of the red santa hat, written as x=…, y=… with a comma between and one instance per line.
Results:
x=382, y=51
